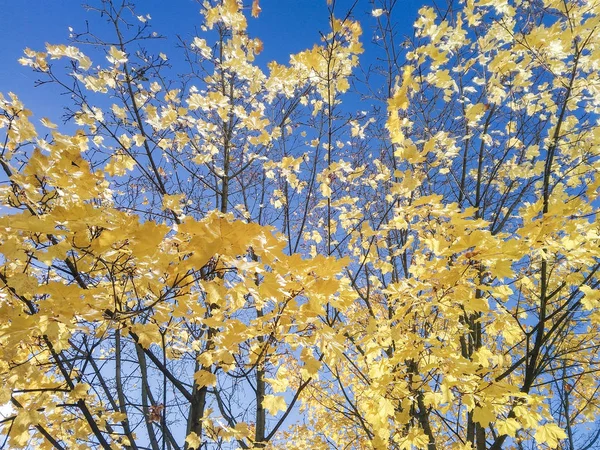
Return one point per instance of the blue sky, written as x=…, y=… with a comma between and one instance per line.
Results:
x=285, y=27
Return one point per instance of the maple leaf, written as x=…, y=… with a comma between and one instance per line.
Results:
x=550, y=434
x=274, y=404
x=193, y=441
x=255, y=8
x=155, y=413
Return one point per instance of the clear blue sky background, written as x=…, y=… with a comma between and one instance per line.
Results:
x=285, y=27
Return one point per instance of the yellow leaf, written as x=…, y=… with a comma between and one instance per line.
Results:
x=484, y=415
x=311, y=364
x=255, y=8
x=116, y=56
x=273, y=404
x=47, y=123
x=591, y=298
x=193, y=441
x=508, y=427
x=231, y=6
x=119, y=164
x=549, y=434
x=147, y=334
x=205, y=378
x=474, y=112
x=281, y=381
x=173, y=202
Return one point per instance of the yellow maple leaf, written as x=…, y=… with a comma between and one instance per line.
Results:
x=193, y=441
x=47, y=123
x=484, y=415
x=549, y=434
x=508, y=427
x=116, y=56
x=311, y=364
x=274, y=404
x=205, y=378
x=173, y=202
x=474, y=112
x=119, y=164
x=255, y=8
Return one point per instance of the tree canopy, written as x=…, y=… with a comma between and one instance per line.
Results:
x=397, y=250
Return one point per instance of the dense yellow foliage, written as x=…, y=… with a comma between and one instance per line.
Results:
x=241, y=264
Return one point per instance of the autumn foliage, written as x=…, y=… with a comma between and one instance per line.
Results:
x=311, y=254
